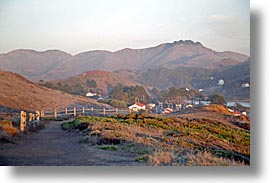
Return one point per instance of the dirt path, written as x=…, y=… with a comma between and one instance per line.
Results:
x=56, y=147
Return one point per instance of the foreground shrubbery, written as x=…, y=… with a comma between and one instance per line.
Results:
x=168, y=140
x=7, y=132
x=8, y=128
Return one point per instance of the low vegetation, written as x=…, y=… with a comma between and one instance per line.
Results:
x=7, y=132
x=158, y=140
x=221, y=109
x=8, y=128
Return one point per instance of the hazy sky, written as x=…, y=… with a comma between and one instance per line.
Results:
x=81, y=25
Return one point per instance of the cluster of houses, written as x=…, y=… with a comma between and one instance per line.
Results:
x=237, y=113
x=94, y=96
x=166, y=109
x=160, y=108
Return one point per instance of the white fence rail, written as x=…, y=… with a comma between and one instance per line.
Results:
x=34, y=118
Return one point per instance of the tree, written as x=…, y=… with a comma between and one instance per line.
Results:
x=129, y=94
x=49, y=85
x=217, y=99
x=78, y=89
x=41, y=81
x=91, y=83
x=66, y=88
x=117, y=103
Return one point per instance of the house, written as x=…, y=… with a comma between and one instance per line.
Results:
x=244, y=113
x=237, y=113
x=245, y=85
x=150, y=106
x=137, y=107
x=167, y=111
x=178, y=107
x=221, y=82
x=100, y=98
x=89, y=94
x=188, y=106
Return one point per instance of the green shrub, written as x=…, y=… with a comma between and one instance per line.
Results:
x=109, y=147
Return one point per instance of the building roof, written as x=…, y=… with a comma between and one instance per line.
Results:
x=140, y=104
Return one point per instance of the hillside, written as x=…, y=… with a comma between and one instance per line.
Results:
x=55, y=64
x=96, y=81
x=162, y=140
x=20, y=93
x=31, y=63
x=201, y=78
x=163, y=78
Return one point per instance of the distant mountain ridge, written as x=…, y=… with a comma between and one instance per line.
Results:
x=56, y=64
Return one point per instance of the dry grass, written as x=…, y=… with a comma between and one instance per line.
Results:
x=8, y=128
x=20, y=93
x=168, y=137
x=208, y=159
x=102, y=78
x=217, y=108
x=160, y=158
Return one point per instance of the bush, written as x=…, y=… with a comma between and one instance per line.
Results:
x=8, y=128
x=117, y=103
x=217, y=99
x=205, y=158
x=161, y=158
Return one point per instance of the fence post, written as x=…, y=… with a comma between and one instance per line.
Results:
x=92, y=110
x=37, y=115
x=104, y=112
x=42, y=114
x=23, y=117
x=31, y=117
x=66, y=112
x=116, y=110
x=74, y=111
x=55, y=113
x=83, y=111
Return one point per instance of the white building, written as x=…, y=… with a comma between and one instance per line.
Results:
x=89, y=94
x=245, y=85
x=151, y=106
x=221, y=82
x=137, y=107
x=167, y=111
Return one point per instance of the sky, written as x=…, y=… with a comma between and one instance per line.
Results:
x=75, y=26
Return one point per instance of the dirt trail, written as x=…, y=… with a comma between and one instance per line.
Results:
x=53, y=146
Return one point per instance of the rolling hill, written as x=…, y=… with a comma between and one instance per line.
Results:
x=197, y=78
x=163, y=78
x=55, y=64
x=104, y=81
x=31, y=63
x=20, y=93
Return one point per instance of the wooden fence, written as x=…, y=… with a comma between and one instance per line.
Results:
x=33, y=118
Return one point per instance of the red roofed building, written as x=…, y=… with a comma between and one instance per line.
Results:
x=167, y=111
x=137, y=106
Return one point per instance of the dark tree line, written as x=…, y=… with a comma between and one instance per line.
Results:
x=129, y=94
x=76, y=89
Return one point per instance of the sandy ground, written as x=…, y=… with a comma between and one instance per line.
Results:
x=53, y=146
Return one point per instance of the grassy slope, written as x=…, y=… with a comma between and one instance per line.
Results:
x=20, y=93
x=102, y=78
x=172, y=140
